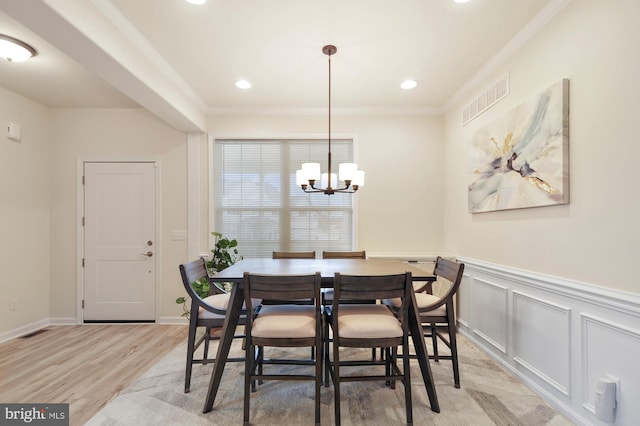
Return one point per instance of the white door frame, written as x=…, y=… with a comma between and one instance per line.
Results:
x=80, y=229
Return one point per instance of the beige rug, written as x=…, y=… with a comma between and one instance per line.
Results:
x=488, y=396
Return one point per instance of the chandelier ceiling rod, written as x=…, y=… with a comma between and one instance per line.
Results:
x=309, y=174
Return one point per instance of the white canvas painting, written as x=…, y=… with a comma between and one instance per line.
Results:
x=522, y=159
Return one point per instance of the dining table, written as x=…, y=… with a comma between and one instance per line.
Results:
x=327, y=268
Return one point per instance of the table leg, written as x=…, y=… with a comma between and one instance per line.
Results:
x=421, y=354
x=229, y=328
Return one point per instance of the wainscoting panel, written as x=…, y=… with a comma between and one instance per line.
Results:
x=489, y=312
x=462, y=300
x=558, y=336
x=551, y=360
x=611, y=349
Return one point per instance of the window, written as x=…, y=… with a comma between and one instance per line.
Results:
x=258, y=203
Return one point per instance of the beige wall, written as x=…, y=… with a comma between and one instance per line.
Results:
x=415, y=197
x=398, y=209
x=595, y=238
x=117, y=134
x=24, y=213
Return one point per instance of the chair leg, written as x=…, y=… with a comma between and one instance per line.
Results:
x=407, y=380
x=259, y=360
x=191, y=343
x=325, y=354
x=454, y=353
x=318, y=378
x=434, y=340
x=336, y=383
x=248, y=369
x=207, y=338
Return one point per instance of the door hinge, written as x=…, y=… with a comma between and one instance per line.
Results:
x=83, y=262
x=83, y=179
x=82, y=303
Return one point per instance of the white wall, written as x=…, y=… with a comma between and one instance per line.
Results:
x=113, y=133
x=552, y=293
x=24, y=214
x=594, y=238
x=398, y=209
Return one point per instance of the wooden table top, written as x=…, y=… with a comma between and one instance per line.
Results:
x=326, y=267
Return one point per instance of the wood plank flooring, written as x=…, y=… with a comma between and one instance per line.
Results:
x=85, y=365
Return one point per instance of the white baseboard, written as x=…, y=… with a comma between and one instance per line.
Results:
x=558, y=336
x=173, y=321
x=63, y=321
x=24, y=330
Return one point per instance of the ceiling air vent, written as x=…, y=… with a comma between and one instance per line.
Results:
x=486, y=100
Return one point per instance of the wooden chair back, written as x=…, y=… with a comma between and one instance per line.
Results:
x=293, y=255
x=344, y=254
x=451, y=271
x=281, y=288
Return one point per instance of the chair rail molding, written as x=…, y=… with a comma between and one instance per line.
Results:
x=558, y=336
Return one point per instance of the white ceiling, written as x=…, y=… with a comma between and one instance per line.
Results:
x=173, y=57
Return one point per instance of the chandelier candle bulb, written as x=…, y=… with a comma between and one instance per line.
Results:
x=358, y=179
x=347, y=171
x=311, y=171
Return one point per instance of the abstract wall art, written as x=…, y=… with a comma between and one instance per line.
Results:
x=522, y=159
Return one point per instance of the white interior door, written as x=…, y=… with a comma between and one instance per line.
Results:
x=119, y=241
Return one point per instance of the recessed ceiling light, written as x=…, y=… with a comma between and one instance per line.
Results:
x=409, y=84
x=197, y=1
x=243, y=84
x=14, y=50
x=461, y=1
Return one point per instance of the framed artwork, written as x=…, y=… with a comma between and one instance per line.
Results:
x=522, y=159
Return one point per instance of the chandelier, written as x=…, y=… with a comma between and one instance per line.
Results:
x=309, y=175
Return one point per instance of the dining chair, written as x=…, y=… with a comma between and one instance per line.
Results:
x=283, y=326
x=327, y=293
x=208, y=312
x=437, y=313
x=370, y=326
x=361, y=254
x=293, y=255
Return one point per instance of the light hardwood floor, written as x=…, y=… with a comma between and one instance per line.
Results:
x=85, y=365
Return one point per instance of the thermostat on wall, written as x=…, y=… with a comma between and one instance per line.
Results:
x=14, y=131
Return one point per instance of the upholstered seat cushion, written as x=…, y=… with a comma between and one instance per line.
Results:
x=285, y=321
x=422, y=300
x=220, y=302
x=217, y=301
x=367, y=322
x=425, y=299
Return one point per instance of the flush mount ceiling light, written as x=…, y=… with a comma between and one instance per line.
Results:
x=243, y=84
x=14, y=50
x=197, y=1
x=461, y=1
x=309, y=174
x=409, y=84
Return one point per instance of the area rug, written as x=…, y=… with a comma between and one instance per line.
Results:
x=488, y=396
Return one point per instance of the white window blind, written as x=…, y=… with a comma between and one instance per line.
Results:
x=258, y=203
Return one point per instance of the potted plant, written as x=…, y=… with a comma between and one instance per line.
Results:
x=223, y=254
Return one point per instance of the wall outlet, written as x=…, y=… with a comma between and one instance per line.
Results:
x=13, y=304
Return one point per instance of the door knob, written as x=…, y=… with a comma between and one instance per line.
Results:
x=148, y=254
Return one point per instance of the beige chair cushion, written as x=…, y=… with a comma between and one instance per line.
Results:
x=425, y=299
x=367, y=322
x=217, y=301
x=422, y=300
x=285, y=321
x=221, y=302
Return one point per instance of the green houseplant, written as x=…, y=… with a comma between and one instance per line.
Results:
x=223, y=254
